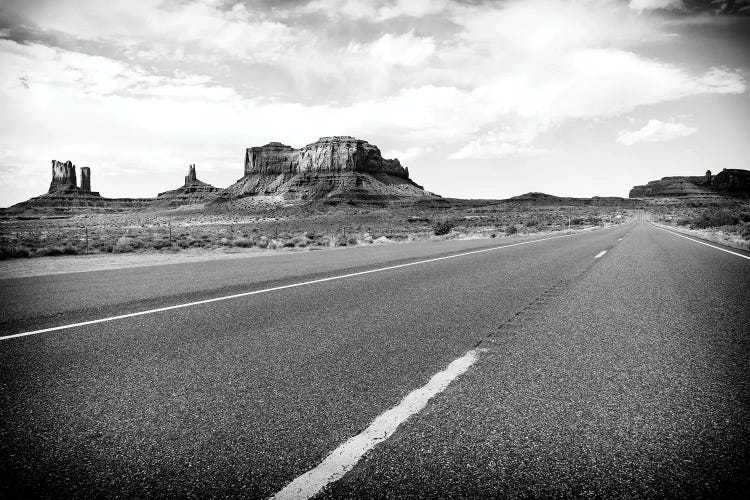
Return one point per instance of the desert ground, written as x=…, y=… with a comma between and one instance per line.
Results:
x=314, y=225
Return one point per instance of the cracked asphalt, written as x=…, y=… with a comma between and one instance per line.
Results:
x=625, y=376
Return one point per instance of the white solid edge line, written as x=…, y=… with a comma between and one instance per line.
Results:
x=600, y=254
x=345, y=457
x=266, y=290
x=701, y=242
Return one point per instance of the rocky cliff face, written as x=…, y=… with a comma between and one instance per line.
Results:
x=328, y=154
x=331, y=167
x=728, y=182
x=85, y=179
x=190, y=193
x=63, y=176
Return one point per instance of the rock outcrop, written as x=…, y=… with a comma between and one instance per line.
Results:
x=190, y=193
x=339, y=167
x=65, y=195
x=63, y=176
x=728, y=182
x=64, y=179
x=85, y=179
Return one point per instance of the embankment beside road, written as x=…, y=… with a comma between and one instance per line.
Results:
x=714, y=235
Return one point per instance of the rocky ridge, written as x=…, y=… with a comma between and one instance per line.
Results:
x=728, y=182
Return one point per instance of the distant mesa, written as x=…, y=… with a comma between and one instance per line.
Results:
x=192, y=192
x=728, y=182
x=338, y=167
x=543, y=199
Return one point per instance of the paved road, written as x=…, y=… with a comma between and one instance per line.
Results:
x=624, y=374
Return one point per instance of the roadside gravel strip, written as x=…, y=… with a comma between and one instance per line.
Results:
x=266, y=290
x=701, y=242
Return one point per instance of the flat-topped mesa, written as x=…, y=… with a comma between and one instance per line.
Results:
x=728, y=182
x=327, y=154
x=63, y=176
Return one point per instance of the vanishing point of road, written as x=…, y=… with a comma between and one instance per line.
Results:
x=611, y=363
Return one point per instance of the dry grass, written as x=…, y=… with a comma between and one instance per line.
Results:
x=307, y=227
x=722, y=221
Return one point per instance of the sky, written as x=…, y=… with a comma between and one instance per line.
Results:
x=478, y=98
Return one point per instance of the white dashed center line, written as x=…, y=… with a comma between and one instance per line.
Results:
x=600, y=254
x=345, y=457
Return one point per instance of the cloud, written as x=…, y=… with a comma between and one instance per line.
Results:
x=655, y=131
x=406, y=49
x=193, y=30
x=508, y=141
x=408, y=153
x=644, y=5
x=377, y=10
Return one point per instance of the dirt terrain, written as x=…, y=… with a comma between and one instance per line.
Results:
x=270, y=226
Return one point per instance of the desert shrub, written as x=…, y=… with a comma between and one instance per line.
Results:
x=511, y=230
x=351, y=241
x=744, y=230
x=443, y=227
x=576, y=221
x=14, y=252
x=493, y=235
x=532, y=223
x=262, y=242
x=49, y=251
x=288, y=244
x=722, y=218
x=70, y=250
x=243, y=242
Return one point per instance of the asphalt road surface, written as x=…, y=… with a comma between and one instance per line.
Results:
x=613, y=363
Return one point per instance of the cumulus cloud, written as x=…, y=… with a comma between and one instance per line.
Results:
x=191, y=30
x=406, y=49
x=507, y=141
x=655, y=131
x=377, y=10
x=644, y=5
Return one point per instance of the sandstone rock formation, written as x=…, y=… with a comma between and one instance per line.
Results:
x=190, y=193
x=64, y=179
x=65, y=195
x=63, y=176
x=728, y=182
x=85, y=179
x=340, y=167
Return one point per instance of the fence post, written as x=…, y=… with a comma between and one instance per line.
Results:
x=169, y=224
x=86, y=228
